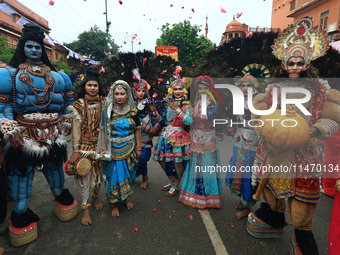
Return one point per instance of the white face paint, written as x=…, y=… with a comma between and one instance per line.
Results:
x=295, y=67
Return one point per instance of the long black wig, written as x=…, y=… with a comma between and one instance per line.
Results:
x=30, y=32
x=92, y=74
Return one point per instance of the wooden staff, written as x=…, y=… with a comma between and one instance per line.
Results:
x=264, y=178
x=263, y=183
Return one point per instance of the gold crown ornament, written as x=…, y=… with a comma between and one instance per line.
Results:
x=120, y=84
x=301, y=40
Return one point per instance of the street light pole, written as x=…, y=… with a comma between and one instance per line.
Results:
x=132, y=38
x=107, y=24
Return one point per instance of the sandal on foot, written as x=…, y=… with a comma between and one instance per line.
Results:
x=171, y=192
x=166, y=187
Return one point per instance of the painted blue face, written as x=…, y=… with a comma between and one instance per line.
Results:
x=33, y=50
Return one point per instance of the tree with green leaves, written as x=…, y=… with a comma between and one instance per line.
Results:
x=92, y=44
x=62, y=66
x=6, y=50
x=191, y=46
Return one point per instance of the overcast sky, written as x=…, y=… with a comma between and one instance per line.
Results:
x=68, y=18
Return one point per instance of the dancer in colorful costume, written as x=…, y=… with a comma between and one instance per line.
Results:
x=331, y=186
x=334, y=224
x=119, y=143
x=172, y=150
x=246, y=140
x=330, y=161
x=33, y=106
x=150, y=121
x=296, y=47
x=85, y=130
x=201, y=188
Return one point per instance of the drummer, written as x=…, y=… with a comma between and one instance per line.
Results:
x=86, y=118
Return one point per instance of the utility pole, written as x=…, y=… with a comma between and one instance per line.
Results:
x=206, y=26
x=108, y=23
x=107, y=27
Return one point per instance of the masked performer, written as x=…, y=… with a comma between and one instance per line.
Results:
x=150, y=121
x=119, y=143
x=172, y=150
x=246, y=140
x=33, y=102
x=85, y=130
x=294, y=147
x=200, y=188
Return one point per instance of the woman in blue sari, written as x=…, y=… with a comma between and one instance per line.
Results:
x=119, y=143
x=202, y=188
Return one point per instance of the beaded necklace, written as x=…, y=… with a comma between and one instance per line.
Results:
x=36, y=69
x=91, y=125
x=121, y=110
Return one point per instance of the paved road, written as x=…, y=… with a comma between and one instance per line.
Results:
x=184, y=233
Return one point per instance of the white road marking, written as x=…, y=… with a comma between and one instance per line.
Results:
x=213, y=233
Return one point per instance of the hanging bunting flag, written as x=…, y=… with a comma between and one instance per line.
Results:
x=7, y=9
x=22, y=21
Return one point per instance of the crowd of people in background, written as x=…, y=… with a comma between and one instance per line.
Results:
x=112, y=141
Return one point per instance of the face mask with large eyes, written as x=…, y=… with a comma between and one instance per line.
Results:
x=33, y=50
x=298, y=64
x=295, y=66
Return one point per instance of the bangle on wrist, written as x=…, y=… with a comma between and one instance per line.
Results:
x=178, y=110
x=76, y=148
x=138, y=148
x=337, y=184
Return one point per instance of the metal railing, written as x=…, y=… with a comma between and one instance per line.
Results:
x=263, y=29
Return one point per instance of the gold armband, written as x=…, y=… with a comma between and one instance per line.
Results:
x=70, y=93
x=4, y=98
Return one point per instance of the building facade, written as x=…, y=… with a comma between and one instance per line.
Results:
x=13, y=15
x=325, y=14
x=280, y=11
x=236, y=30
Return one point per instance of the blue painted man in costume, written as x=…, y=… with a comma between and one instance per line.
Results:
x=33, y=102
